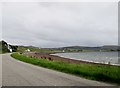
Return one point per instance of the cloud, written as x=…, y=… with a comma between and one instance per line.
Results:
x=56, y=24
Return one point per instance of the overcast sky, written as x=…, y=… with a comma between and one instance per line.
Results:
x=50, y=24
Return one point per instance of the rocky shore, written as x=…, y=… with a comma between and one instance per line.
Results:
x=58, y=58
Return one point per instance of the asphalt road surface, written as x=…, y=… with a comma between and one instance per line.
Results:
x=17, y=73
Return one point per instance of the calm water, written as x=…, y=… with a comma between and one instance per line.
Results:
x=98, y=57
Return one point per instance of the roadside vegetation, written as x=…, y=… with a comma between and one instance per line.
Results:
x=90, y=71
x=4, y=47
x=0, y=48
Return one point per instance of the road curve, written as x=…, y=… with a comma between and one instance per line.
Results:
x=17, y=73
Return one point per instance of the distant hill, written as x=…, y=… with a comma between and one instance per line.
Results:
x=5, y=48
x=37, y=49
x=82, y=48
x=86, y=48
x=111, y=47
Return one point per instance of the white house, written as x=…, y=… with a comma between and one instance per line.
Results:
x=28, y=50
x=9, y=48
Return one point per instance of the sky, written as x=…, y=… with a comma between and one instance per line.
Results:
x=58, y=24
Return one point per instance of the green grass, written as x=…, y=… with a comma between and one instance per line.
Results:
x=90, y=71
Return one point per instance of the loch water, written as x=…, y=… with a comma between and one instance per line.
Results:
x=97, y=57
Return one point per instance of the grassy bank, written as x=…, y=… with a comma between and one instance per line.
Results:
x=90, y=71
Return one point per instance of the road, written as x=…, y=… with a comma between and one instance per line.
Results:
x=17, y=73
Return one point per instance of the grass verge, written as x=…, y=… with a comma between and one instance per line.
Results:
x=90, y=71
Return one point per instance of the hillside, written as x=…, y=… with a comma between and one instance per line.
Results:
x=6, y=48
x=86, y=48
x=36, y=49
x=111, y=47
x=0, y=47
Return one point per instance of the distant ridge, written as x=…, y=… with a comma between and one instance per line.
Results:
x=5, y=47
x=87, y=48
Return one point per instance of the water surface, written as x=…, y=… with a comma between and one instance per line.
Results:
x=97, y=57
